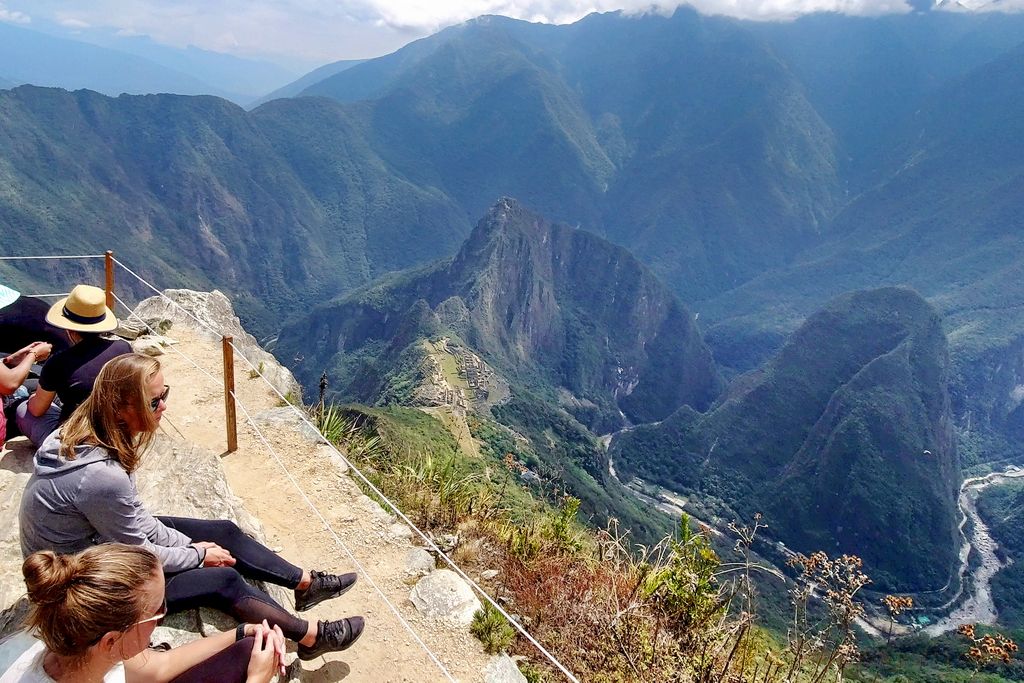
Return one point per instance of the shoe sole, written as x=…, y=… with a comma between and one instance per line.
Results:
x=305, y=656
x=311, y=605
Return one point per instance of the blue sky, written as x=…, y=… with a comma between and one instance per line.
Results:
x=313, y=32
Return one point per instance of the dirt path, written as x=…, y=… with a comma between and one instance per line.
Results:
x=386, y=651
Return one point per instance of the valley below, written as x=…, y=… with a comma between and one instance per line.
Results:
x=978, y=607
x=972, y=603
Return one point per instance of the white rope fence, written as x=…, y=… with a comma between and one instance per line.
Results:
x=426, y=539
x=51, y=258
x=327, y=525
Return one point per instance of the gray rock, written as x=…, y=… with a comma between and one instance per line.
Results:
x=149, y=346
x=489, y=574
x=444, y=596
x=379, y=513
x=214, y=310
x=502, y=669
x=130, y=329
x=446, y=542
x=287, y=418
x=400, y=531
x=17, y=461
x=418, y=562
x=327, y=452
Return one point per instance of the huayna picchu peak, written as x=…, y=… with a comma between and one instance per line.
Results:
x=541, y=302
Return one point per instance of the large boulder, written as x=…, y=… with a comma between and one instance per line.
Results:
x=502, y=669
x=444, y=596
x=201, y=311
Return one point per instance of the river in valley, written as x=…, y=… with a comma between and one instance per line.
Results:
x=977, y=608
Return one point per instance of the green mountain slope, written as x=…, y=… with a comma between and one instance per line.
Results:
x=315, y=76
x=541, y=302
x=947, y=223
x=683, y=139
x=578, y=330
x=196, y=192
x=828, y=440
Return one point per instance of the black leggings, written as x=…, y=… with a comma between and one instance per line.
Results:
x=227, y=666
x=224, y=588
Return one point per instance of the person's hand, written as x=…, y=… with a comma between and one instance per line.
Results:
x=215, y=555
x=279, y=644
x=40, y=350
x=265, y=660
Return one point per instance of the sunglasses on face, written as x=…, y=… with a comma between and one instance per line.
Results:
x=158, y=617
x=155, y=403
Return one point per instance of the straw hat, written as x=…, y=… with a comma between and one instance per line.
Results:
x=84, y=310
x=7, y=296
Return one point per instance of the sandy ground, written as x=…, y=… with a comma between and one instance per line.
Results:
x=386, y=651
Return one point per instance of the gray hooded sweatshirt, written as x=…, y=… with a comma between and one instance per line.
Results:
x=69, y=505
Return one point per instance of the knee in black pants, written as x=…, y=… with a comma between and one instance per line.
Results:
x=223, y=531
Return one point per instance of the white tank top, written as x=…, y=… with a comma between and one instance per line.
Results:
x=28, y=668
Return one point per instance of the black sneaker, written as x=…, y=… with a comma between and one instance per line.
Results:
x=332, y=636
x=322, y=587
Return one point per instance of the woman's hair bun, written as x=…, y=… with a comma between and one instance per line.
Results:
x=48, y=576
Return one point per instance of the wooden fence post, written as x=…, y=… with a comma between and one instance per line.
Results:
x=229, y=394
x=109, y=263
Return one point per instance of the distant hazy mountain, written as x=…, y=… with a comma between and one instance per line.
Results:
x=245, y=79
x=843, y=439
x=5, y=83
x=32, y=57
x=313, y=77
x=132, y=64
x=947, y=221
x=375, y=76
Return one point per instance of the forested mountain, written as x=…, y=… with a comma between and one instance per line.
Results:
x=542, y=303
x=579, y=334
x=281, y=207
x=843, y=439
x=315, y=76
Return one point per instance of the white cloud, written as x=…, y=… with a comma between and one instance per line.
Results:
x=324, y=30
x=418, y=15
x=70, y=22
x=13, y=16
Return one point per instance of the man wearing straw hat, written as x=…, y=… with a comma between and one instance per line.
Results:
x=70, y=374
x=16, y=367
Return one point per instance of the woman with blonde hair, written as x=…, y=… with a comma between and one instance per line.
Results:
x=82, y=492
x=93, y=615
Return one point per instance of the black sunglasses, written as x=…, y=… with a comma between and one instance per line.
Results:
x=155, y=403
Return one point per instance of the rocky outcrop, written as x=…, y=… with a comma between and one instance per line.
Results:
x=502, y=669
x=211, y=314
x=444, y=596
